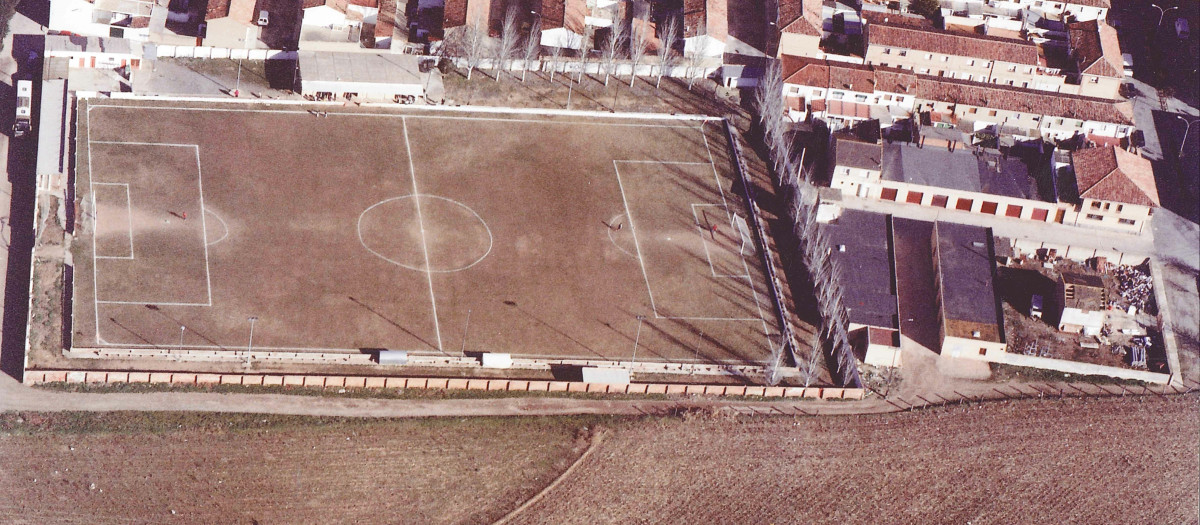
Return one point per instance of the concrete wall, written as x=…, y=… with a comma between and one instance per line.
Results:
x=510, y=385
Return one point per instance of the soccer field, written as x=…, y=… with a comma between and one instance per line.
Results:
x=431, y=231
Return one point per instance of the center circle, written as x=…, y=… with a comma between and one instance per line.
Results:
x=410, y=230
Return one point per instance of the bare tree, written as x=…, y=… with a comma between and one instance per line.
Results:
x=613, y=45
x=470, y=43
x=509, y=36
x=637, y=47
x=533, y=46
x=695, y=60
x=668, y=34
x=556, y=54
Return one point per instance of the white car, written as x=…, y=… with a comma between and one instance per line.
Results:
x=264, y=18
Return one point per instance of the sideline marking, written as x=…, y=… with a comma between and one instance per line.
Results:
x=421, y=224
x=753, y=290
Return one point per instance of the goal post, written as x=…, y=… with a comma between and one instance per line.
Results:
x=738, y=224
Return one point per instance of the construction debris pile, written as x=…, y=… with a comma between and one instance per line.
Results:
x=1136, y=288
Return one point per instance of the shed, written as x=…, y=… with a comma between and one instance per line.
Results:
x=367, y=75
x=393, y=357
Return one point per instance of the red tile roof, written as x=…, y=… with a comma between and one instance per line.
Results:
x=800, y=16
x=865, y=79
x=706, y=17
x=905, y=36
x=1095, y=48
x=568, y=14
x=1113, y=174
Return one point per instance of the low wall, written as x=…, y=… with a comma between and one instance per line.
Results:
x=505, y=385
x=1075, y=367
x=170, y=51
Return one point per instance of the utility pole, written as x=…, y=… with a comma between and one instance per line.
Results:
x=636, y=338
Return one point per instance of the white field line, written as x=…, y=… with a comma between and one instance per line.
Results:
x=704, y=241
x=394, y=115
x=636, y=245
x=129, y=216
x=203, y=226
x=421, y=225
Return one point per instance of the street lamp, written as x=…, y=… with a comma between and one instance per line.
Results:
x=636, y=338
x=1162, y=13
x=250, y=344
x=182, y=329
x=1183, y=142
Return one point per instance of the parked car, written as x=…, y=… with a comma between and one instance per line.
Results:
x=1181, y=29
x=1035, y=306
x=264, y=18
x=1127, y=62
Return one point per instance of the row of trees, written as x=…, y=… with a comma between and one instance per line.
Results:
x=796, y=186
x=622, y=41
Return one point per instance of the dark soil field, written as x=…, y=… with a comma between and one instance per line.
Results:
x=430, y=231
x=1113, y=460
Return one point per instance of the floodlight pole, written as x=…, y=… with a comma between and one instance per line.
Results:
x=250, y=344
x=636, y=338
x=237, y=86
x=182, y=329
x=466, y=327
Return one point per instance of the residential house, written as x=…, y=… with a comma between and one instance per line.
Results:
x=141, y=20
x=94, y=52
x=705, y=27
x=1079, y=10
x=856, y=166
x=962, y=108
x=972, y=57
x=1096, y=55
x=231, y=23
x=801, y=28
x=1114, y=189
x=971, y=323
x=1083, y=299
x=337, y=25
x=478, y=14
x=863, y=250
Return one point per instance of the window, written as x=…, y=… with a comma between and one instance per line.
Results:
x=1010, y=82
x=1095, y=205
x=1120, y=207
x=964, y=204
x=1029, y=70
x=887, y=51
x=971, y=62
x=1127, y=222
x=836, y=94
x=888, y=194
x=903, y=53
x=928, y=56
x=1012, y=69
x=969, y=77
x=973, y=111
x=1025, y=84
x=1107, y=205
x=992, y=113
x=1012, y=211
x=945, y=59
x=1094, y=80
x=940, y=201
x=988, y=208
x=950, y=74
x=1040, y=215
x=1095, y=217
x=914, y=197
x=860, y=98
x=924, y=71
x=983, y=351
x=887, y=98
x=989, y=64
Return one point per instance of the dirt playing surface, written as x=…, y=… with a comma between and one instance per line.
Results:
x=1118, y=460
x=546, y=237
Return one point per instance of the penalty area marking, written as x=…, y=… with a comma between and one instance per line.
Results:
x=704, y=242
x=128, y=216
